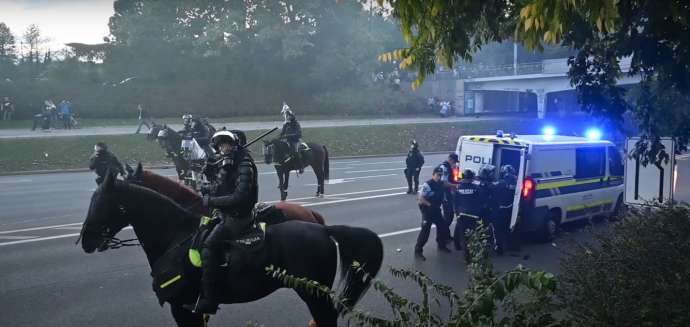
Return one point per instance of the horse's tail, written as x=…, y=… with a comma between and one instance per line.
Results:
x=326, y=164
x=318, y=217
x=361, y=254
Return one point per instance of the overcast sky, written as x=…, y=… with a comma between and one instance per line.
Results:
x=63, y=21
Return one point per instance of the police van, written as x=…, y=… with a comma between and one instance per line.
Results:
x=560, y=178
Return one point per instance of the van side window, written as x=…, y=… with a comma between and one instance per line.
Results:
x=590, y=162
x=615, y=162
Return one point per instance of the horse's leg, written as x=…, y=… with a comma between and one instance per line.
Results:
x=286, y=182
x=185, y=318
x=321, y=308
x=318, y=171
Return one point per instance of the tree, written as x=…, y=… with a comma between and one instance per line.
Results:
x=653, y=33
x=7, y=52
x=32, y=38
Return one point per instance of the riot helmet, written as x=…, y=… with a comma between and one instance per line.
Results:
x=507, y=170
x=225, y=142
x=187, y=120
x=468, y=174
x=487, y=172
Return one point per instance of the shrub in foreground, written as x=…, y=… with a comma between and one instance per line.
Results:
x=635, y=274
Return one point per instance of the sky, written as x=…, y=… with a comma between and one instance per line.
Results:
x=62, y=21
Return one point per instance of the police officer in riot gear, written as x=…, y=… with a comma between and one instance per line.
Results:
x=504, y=195
x=487, y=177
x=232, y=197
x=103, y=160
x=469, y=210
x=194, y=128
x=413, y=163
x=447, y=179
x=292, y=134
x=429, y=200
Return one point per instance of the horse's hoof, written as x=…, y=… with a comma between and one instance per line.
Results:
x=312, y=323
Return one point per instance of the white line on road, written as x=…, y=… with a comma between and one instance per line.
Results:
x=314, y=204
x=375, y=163
x=12, y=237
x=47, y=238
x=16, y=181
x=375, y=170
x=341, y=194
x=37, y=228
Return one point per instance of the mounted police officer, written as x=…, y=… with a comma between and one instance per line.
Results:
x=469, y=210
x=447, y=179
x=194, y=128
x=413, y=163
x=292, y=134
x=103, y=160
x=504, y=195
x=232, y=196
x=430, y=199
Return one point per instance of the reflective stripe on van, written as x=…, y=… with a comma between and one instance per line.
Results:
x=495, y=140
x=568, y=186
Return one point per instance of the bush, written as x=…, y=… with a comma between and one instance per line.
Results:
x=636, y=274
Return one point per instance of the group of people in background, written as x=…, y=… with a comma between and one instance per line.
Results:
x=442, y=108
x=476, y=197
x=6, y=109
x=54, y=116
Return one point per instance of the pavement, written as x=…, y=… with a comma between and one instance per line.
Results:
x=245, y=126
x=47, y=280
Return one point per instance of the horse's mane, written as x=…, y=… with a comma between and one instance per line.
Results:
x=152, y=195
x=178, y=192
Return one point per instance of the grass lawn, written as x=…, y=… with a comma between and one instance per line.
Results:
x=74, y=152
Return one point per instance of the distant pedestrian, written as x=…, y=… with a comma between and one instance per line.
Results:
x=429, y=200
x=103, y=161
x=144, y=119
x=42, y=119
x=51, y=112
x=66, y=113
x=6, y=109
x=413, y=163
x=445, y=109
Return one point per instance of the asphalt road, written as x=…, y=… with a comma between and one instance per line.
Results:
x=245, y=126
x=47, y=280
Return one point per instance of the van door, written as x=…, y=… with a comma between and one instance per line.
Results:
x=518, y=187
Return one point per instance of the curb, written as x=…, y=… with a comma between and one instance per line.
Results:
x=81, y=170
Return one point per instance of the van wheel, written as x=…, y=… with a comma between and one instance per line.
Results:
x=549, y=228
x=617, y=210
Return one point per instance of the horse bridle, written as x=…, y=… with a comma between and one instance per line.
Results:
x=110, y=242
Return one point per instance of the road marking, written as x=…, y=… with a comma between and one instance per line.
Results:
x=314, y=204
x=374, y=163
x=349, y=179
x=37, y=228
x=47, y=238
x=12, y=237
x=16, y=181
x=69, y=228
x=375, y=170
x=683, y=157
x=341, y=194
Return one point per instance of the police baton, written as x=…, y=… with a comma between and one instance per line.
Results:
x=259, y=137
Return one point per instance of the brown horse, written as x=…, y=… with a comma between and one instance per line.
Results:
x=189, y=199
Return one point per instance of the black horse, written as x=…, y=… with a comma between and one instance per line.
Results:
x=302, y=249
x=170, y=141
x=278, y=151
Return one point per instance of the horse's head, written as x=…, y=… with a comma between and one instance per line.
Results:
x=275, y=150
x=105, y=218
x=153, y=133
x=135, y=176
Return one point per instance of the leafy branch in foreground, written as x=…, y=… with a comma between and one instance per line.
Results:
x=525, y=297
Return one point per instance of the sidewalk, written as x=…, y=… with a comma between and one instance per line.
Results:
x=246, y=126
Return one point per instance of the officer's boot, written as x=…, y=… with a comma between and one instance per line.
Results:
x=210, y=282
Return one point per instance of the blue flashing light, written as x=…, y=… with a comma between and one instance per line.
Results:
x=593, y=134
x=548, y=131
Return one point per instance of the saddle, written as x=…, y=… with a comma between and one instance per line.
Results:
x=179, y=267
